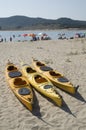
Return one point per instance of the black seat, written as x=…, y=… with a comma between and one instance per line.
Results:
x=48, y=86
x=24, y=91
x=63, y=79
x=15, y=74
x=45, y=68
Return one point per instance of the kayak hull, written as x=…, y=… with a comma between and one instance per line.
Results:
x=42, y=84
x=19, y=85
x=55, y=77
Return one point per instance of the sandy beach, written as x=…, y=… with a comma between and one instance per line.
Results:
x=66, y=56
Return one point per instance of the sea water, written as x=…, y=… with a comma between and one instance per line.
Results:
x=53, y=34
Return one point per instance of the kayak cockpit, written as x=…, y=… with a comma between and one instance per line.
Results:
x=30, y=70
x=55, y=74
x=59, y=77
x=40, y=64
x=40, y=79
x=11, y=68
x=19, y=81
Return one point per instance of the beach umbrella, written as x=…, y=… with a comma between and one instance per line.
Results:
x=42, y=34
x=25, y=35
x=32, y=35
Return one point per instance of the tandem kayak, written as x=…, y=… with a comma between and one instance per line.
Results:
x=42, y=84
x=19, y=85
x=55, y=77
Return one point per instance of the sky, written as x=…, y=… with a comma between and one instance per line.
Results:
x=49, y=9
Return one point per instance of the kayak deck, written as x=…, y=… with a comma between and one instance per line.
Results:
x=19, y=85
x=42, y=84
x=55, y=77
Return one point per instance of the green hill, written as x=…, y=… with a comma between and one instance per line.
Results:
x=28, y=23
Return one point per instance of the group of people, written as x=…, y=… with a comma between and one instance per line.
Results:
x=40, y=37
x=4, y=39
x=34, y=37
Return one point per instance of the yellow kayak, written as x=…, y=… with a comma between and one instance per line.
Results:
x=42, y=84
x=19, y=85
x=55, y=77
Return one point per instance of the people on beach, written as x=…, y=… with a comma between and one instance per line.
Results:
x=41, y=36
x=10, y=39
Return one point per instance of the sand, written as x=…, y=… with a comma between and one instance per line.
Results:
x=66, y=56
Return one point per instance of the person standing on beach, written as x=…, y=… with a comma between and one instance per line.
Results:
x=10, y=39
x=5, y=39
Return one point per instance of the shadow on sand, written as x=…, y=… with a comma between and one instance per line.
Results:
x=65, y=107
x=36, y=107
x=36, y=110
x=79, y=97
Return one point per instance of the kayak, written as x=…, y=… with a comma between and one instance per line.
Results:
x=42, y=84
x=19, y=85
x=55, y=77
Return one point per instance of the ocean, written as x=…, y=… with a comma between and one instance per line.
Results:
x=53, y=34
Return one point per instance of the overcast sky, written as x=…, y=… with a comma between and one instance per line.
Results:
x=50, y=9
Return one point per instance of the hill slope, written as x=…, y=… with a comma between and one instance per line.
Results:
x=23, y=22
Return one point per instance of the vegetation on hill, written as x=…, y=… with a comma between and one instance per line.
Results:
x=28, y=23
